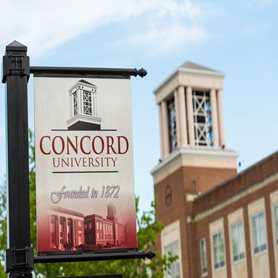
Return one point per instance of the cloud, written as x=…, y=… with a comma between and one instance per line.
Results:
x=45, y=25
x=172, y=25
x=260, y=3
x=169, y=37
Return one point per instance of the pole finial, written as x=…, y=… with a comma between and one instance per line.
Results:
x=142, y=72
x=15, y=61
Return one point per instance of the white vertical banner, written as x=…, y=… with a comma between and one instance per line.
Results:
x=84, y=164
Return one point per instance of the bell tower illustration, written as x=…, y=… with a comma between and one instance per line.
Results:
x=83, y=104
x=194, y=157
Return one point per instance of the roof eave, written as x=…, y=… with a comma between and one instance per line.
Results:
x=189, y=71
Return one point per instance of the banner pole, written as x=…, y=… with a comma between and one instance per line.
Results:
x=16, y=71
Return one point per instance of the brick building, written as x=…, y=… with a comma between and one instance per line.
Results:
x=219, y=223
x=66, y=229
x=100, y=231
x=72, y=230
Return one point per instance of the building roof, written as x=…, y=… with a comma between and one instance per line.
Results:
x=15, y=45
x=236, y=185
x=190, y=65
x=68, y=211
x=85, y=82
x=93, y=216
x=191, y=68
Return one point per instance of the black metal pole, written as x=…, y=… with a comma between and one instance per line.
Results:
x=19, y=255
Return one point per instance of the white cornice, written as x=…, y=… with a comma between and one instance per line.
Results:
x=196, y=152
x=202, y=72
x=195, y=72
x=195, y=157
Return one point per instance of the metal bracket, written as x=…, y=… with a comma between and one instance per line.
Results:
x=89, y=72
x=98, y=276
x=94, y=256
x=19, y=258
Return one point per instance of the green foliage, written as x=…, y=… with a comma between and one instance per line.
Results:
x=147, y=231
x=3, y=226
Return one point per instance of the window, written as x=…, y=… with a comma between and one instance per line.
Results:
x=202, y=118
x=259, y=233
x=54, y=229
x=174, y=271
x=87, y=102
x=172, y=124
x=218, y=250
x=62, y=228
x=238, y=241
x=75, y=104
x=276, y=223
x=149, y=272
x=203, y=247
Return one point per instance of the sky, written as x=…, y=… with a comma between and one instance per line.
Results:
x=238, y=38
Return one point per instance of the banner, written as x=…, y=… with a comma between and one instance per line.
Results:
x=84, y=164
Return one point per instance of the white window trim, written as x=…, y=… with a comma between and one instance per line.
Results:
x=172, y=133
x=171, y=233
x=202, y=128
x=244, y=243
x=275, y=232
x=178, y=261
x=224, y=251
x=203, y=273
x=252, y=233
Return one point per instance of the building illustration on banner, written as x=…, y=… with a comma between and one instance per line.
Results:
x=72, y=230
x=83, y=104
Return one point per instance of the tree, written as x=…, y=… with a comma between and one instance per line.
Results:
x=148, y=229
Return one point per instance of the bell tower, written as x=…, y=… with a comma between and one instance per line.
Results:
x=194, y=157
x=192, y=126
